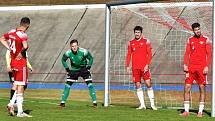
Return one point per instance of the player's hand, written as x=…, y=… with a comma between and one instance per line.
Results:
x=68, y=71
x=146, y=68
x=88, y=67
x=31, y=70
x=128, y=70
x=19, y=56
x=205, y=71
x=185, y=68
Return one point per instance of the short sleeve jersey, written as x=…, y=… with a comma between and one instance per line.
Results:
x=15, y=38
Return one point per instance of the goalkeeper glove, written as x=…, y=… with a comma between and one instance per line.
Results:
x=88, y=67
x=68, y=70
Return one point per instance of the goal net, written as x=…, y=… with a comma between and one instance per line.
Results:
x=167, y=26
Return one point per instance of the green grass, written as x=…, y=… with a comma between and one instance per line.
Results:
x=47, y=110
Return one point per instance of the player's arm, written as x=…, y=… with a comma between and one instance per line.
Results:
x=4, y=39
x=23, y=51
x=28, y=63
x=128, y=57
x=149, y=55
x=209, y=55
x=149, y=52
x=186, y=57
x=90, y=59
x=63, y=61
x=209, y=52
x=8, y=60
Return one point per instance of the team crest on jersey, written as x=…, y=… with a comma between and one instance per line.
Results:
x=201, y=42
x=132, y=44
x=134, y=49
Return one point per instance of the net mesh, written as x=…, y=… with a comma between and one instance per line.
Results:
x=167, y=26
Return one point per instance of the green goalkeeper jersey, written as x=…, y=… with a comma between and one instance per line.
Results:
x=79, y=60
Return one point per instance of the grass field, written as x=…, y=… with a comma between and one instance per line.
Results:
x=42, y=105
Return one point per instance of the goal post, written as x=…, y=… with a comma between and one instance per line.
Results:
x=213, y=66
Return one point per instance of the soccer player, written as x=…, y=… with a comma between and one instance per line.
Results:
x=14, y=87
x=197, y=59
x=18, y=46
x=81, y=61
x=139, y=50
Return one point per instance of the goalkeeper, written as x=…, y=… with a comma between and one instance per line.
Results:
x=81, y=61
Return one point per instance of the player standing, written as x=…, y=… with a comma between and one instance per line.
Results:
x=139, y=50
x=18, y=47
x=197, y=59
x=14, y=87
x=81, y=61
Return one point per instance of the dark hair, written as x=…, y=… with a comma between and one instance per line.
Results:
x=74, y=41
x=138, y=28
x=25, y=20
x=195, y=25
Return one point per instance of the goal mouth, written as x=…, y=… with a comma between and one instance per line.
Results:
x=168, y=27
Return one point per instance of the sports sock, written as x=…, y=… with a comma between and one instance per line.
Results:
x=13, y=99
x=19, y=103
x=141, y=97
x=12, y=93
x=11, y=76
x=150, y=93
x=65, y=93
x=201, y=106
x=186, y=106
x=92, y=92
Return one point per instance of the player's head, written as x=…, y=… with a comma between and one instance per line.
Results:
x=25, y=22
x=138, y=32
x=74, y=45
x=196, y=29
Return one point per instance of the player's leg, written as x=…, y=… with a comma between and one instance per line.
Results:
x=136, y=73
x=150, y=91
x=10, y=106
x=92, y=91
x=71, y=78
x=187, y=88
x=13, y=89
x=13, y=95
x=202, y=84
x=86, y=75
x=19, y=96
x=21, y=79
x=201, y=100
x=66, y=92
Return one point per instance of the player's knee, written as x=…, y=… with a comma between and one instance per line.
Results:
x=187, y=88
x=138, y=84
x=202, y=88
x=90, y=85
x=69, y=83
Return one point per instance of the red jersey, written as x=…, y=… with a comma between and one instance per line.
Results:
x=15, y=38
x=198, y=52
x=140, y=52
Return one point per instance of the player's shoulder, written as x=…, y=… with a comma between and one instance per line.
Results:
x=207, y=40
x=146, y=40
x=67, y=53
x=83, y=50
x=190, y=39
x=12, y=31
x=22, y=35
